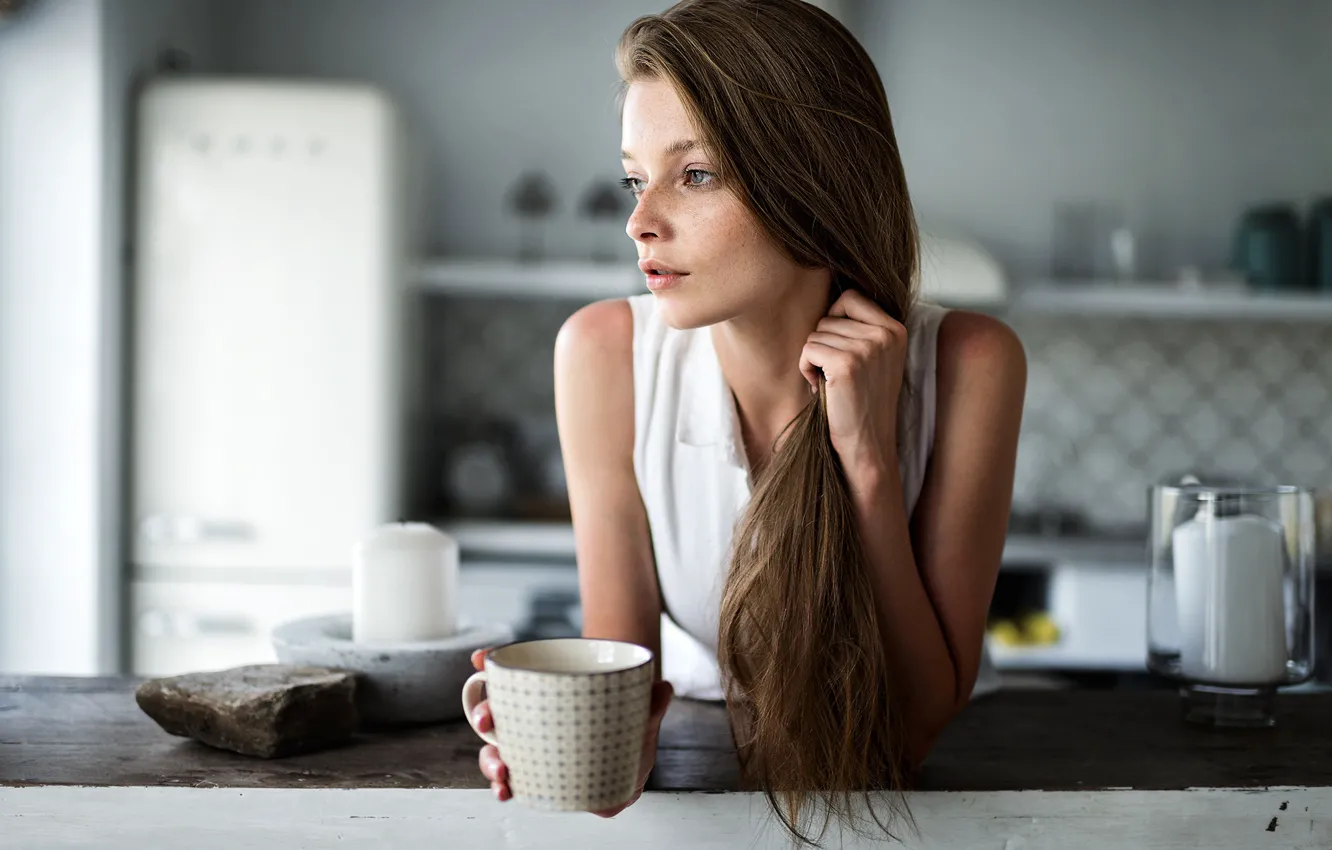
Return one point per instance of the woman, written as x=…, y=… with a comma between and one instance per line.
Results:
x=778, y=386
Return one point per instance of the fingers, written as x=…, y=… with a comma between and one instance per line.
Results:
x=481, y=716
x=856, y=305
x=833, y=363
x=662, y=694
x=492, y=767
x=610, y=813
x=479, y=659
x=853, y=329
x=854, y=345
x=810, y=371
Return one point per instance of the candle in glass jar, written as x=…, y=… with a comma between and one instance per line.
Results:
x=404, y=584
x=1229, y=580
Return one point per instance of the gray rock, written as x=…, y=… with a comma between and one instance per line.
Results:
x=265, y=710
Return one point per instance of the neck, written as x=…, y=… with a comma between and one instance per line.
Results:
x=759, y=354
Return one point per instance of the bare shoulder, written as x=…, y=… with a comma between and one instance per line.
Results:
x=599, y=336
x=594, y=381
x=976, y=349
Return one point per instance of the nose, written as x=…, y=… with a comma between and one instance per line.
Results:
x=646, y=223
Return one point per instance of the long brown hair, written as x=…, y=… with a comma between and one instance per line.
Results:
x=793, y=110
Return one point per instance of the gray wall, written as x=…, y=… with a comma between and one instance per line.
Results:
x=66, y=68
x=51, y=297
x=492, y=88
x=1181, y=113
x=134, y=33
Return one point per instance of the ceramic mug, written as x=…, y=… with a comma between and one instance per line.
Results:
x=570, y=715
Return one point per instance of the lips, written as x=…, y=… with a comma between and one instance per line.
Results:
x=651, y=266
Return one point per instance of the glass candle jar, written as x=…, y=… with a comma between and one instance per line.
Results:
x=1230, y=597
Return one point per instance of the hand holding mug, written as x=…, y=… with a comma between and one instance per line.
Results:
x=569, y=724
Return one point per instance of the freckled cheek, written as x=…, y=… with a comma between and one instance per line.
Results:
x=724, y=235
x=751, y=261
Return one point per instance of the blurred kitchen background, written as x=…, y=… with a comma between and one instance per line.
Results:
x=273, y=271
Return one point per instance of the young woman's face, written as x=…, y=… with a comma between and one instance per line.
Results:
x=687, y=222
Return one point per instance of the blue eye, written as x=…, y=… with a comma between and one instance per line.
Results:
x=693, y=177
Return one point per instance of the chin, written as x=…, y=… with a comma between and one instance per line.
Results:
x=681, y=311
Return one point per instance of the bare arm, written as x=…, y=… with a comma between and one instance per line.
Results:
x=594, y=407
x=934, y=578
x=617, y=577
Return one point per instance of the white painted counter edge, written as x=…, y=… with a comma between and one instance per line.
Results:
x=139, y=818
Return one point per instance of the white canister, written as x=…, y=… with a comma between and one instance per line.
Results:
x=1229, y=574
x=404, y=584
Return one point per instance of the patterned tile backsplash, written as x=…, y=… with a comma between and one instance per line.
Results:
x=489, y=379
x=1113, y=404
x=493, y=356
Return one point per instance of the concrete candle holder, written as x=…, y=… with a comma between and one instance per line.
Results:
x=397, y=682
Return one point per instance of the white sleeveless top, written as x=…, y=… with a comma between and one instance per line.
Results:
x=694, y=477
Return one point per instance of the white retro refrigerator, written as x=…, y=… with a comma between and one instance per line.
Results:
x=270, y=380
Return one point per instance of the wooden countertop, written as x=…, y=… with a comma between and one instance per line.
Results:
x=71, y=731
x=90, y=733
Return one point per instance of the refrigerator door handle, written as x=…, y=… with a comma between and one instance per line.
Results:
x=204, y=624
x=161, y=528
x=161, y=624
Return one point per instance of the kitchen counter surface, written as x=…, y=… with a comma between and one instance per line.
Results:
x=74, y=750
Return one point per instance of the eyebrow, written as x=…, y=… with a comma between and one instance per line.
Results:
x=673, y=149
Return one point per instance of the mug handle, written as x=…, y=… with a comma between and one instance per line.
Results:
x=471, y=697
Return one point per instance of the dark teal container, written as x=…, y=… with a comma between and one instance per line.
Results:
x=1318, y=242
x=1267, y=248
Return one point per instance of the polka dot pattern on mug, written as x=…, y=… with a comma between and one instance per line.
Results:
x=571, y=741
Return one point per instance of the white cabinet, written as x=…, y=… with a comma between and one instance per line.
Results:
x=186, y=626
x=183, y=625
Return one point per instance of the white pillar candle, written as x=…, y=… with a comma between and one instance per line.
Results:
x=1229, y=580
x=404, y=584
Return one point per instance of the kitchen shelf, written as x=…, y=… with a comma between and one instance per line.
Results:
x=1075, y=550
x=512, y=539
x=555, y=540
x=1063, y=656
x=580, y=279
x=1167, y=300
x=546, y=279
